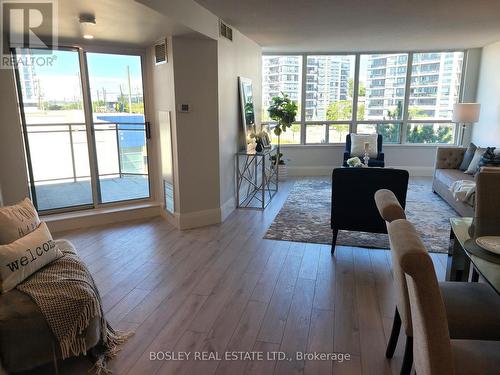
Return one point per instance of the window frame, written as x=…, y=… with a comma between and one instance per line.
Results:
x=353, y=122
x=82, y=51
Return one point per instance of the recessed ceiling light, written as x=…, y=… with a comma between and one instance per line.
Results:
x=87, y=24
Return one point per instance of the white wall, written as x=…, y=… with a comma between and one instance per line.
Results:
x=310, y=160
x=13, y=174
x=196, y=84
x=241, y=57
x=487, y=131
x=162, y=98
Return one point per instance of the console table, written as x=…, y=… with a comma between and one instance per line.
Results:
x=256, y=178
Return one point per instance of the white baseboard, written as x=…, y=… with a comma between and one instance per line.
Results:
x=203, y=218
x=197, y=219
x=419, y=171
x=101, y=216
x=227, y=208
x=327, y=170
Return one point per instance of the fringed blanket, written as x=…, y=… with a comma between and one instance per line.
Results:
x=66, y=294
x=464, y=191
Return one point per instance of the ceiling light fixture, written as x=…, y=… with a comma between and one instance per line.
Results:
x=87, y=23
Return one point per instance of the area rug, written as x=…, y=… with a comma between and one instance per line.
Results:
x=305, y=217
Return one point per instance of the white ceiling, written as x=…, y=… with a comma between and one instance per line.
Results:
x=118, y=22
x=362, y=25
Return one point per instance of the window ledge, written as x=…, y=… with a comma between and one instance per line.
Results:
x=100, y=216
x=342, y=145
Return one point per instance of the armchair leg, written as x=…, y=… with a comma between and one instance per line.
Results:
x=407, y=357
x=393, y=340
x=334, y=239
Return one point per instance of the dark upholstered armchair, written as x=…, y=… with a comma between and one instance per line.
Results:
x=377, y=162
x=353, y=198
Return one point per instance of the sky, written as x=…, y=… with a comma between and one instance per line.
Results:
x=61, y=81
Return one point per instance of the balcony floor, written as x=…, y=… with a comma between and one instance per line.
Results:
x=68, y=194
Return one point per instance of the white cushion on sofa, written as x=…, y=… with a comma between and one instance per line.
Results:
x=17, y=221
x=472, y=168
x=22, y=258
x=358, y=145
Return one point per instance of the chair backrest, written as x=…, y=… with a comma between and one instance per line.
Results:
x=353, y=190
x=390, y=210
x=388, y=205
x=487, y=204
x=432, y=349
x=348, y=143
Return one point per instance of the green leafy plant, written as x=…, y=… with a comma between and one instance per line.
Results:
x=273, y=159
x=282, y=110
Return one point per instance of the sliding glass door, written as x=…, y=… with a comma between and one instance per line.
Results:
x=85, y=131
x=119, y=126
x=55, y=131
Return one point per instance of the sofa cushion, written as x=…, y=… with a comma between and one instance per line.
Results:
x=17, y=221
x=469, y=154
x=358, y=145
x=471, y=302
x=474, y=164
x=475, y=356
x=449, y=176
x=21, y=258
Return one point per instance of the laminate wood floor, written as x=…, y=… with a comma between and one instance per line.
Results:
x=225, y=288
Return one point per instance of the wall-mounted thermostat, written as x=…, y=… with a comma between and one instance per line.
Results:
x=184, y=108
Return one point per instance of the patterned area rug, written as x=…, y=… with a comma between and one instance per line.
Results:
x=305, y=217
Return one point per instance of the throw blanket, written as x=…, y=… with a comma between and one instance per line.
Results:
x=464, y=191
x=66, y=294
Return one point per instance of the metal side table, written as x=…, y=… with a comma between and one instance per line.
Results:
x=256, y=178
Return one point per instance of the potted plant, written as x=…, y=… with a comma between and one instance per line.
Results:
x=282, y=110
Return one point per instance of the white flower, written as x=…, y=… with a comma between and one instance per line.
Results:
x=354, y=162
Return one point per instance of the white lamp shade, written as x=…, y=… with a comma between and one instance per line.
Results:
x=466, y=113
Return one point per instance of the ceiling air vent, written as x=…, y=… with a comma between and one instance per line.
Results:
x=226, y=31
x=161, y=52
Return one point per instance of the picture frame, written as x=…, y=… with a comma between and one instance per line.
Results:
x=266, y=141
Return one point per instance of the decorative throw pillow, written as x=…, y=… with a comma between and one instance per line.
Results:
x=472, y=168
x=358, y=145
x=489, y=159
x=17, y=221
x=22, y=258
x=469, y=154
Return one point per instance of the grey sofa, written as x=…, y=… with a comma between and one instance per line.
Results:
x=26, y=340
x=487, y=201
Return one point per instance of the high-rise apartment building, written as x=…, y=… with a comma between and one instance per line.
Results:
x=327, y=81
x=280, y=74
x=434, y=87
x=27, y=75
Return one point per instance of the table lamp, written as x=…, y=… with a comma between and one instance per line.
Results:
x=465, y=113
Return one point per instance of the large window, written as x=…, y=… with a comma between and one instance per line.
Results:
x=282, y=74
x=86, y=146
x=407, y=97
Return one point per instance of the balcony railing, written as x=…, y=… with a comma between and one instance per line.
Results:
x=59, y=155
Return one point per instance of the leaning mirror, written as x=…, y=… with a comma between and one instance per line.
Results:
x=247, y=111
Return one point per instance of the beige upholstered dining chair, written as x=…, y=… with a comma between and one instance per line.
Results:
x=464, y=302
x=435, y=353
